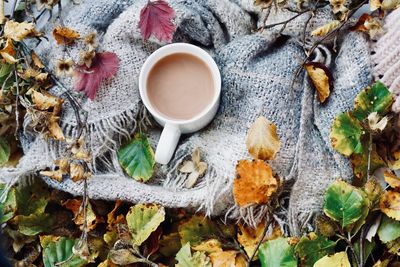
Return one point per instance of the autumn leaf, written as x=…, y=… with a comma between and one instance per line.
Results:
x=8, y=206
x=223, y=258
x=369, y=24
x=338, y=6
x=74, y=205
x=338, y=259
x=321, y=78
x=197, y=229
x=65, y=35
x=18, y=31
x=144, y=219
x=277, y=253
x=388, y=230
x=36, y=60
x=104, y=66
x=360, y=163
x=390, y=204
x=156, y=19
x=5, y=151
x=325, y=29
x=8, y=52
x=185, y=258
x=254, y=183
x=209, y=246
x=45, y=101
x=262, y=140
x=392, y=180
x=195, y=168
x=59, y=250
x=312, y=247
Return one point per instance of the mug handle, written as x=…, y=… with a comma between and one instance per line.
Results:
x=167, y=144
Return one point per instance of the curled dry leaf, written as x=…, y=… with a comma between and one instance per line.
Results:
x=338, y=6
x=104, y=66
x=325, y=29
x=55, y=175
x=156, y=18
x=390, y=204
x=262, y=140
x=254, y=183
x=55, y=130
x=65, y=35
x=36, y=74
x=18, y=31
x=375, y=122
x=75, y=205
x=77, y=172
x=86, y=57
x=371, y=25
x=36, y=60
x=392, y=180
x=8, y=52
x=195, y=168
x=64, y=67
x=321, y=78
x=45, y=101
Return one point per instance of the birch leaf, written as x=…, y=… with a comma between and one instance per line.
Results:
x=390, y=4
x=392, y=180
x=321, y=78
x=65, y=35
x=254, y=183
x=312, y=247
x=262, y=140
x=137, y=158
x=185, y=258
x=277, y=253
x=5, y=151
x=9, y=206
x=339, y=259
x=197, y=229
x=388, y=230
x=390, y=204
x=18, y=31
x=223, y=258
x=60, y=251
x=144, y=219
x=8, y=52
x=325, y=29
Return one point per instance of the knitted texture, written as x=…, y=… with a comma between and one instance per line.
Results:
x=386, y=56
x=257, y=72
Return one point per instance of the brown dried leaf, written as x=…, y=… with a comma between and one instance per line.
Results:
x=254, y=183
x=371, y=25
x=45, y=101
x=77, y=172
x=392, y=180
x=18, y=31
x=223, y=258
x=111, y=219
x=8, y=52
x=195, y=168
x=64, y=67
x=36, y=60
x=375, y=4
x=63, y=165
x=262, y=140
x=325, y=29
x=338, y=6
x=321, y=78
x=390, y=204
x=209, y=246
x=55, y=130
x=55, y=175
x=74, y=205
x=86, y=57
x=65, y=35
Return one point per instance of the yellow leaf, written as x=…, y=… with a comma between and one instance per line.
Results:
x=55, y=175
x=77, y=172
x=65, y=35
x=209, y=246
x=55, y=130
x=262, y=140
x=392, y=180
x=321, y=79
x=338, y=6
x=339, y=259
x=325, y=29
x=8, y=52
x=36, y=60
x=223, y=258
x=390, y=4
x=390, y=204
x=254, y=183
x=45, y=101
x=18, y=31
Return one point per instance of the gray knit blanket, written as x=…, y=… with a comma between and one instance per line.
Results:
x=257, y=72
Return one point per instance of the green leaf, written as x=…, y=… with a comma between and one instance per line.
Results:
x=346, y=134
x=344, y=203
x=277, y=253
x=8, y=207
x=34, y=223
x=57, y=251
x=186, y=259
x=137, y=158
x=197, y=229
x=36, y=193
x=389, y=229
x=4, y=151
x=376, y=98
x=144, y=219
x=360, y=163
x=313, y=247
x=337, y=259
x=368, y=248
x=394, y=246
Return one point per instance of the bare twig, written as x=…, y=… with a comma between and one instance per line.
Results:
x=285, y=22
x=369, y=156
x=16, y=104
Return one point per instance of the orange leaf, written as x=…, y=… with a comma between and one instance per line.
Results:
x=321, y=78
x=392, y=180
x=254, y=183
x=65, y=35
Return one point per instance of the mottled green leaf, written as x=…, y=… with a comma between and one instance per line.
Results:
x=338, y=259
x=389, y=229
x=34, y=223
x=360, y=163
x=277, y=253
x=185, y=258
x=197, y=229
x=394, y=246
x=144, y=219
x=376, y=98
x=8, y=204
x=4, y=151
x=137, y=158
x=346, y=134
x=344, y=203
x=313, y=247
x=59, y=250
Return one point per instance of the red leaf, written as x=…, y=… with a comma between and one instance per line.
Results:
x=104, y=66
x=156, y=18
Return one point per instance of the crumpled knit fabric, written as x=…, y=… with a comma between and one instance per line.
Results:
x=257, y=72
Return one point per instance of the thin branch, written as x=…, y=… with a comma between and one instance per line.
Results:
x=285, y=22
x=369, y=156
x=16, y=104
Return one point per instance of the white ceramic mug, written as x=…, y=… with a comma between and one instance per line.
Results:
x=174, y=128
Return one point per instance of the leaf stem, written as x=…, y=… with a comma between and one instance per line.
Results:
x=369, y=156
